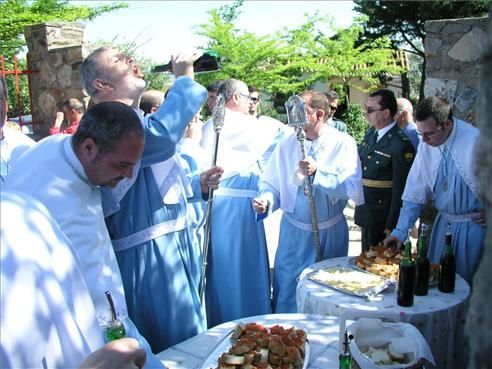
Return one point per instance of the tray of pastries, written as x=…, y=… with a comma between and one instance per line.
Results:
x=385, y=261
x=350, y=281
x=254, y=346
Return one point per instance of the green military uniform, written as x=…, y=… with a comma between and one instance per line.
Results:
x=385, y=167
x=338, y=124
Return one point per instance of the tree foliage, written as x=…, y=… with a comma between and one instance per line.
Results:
x=403, y=21
x=15, y=14
x=291, y=60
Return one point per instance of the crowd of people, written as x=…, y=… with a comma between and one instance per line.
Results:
x=116, y=201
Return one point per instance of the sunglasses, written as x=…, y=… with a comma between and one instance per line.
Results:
x=254, y=100
x=370, y=110
x=333, y=107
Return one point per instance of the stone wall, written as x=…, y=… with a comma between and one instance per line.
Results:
x=479, y=319
x=453, y=49
x=56, y=51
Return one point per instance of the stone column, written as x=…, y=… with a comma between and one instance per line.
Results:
x=453, y=48
x=479, y=319
x=56, y=51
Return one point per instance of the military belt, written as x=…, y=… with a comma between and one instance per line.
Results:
x=377, y=184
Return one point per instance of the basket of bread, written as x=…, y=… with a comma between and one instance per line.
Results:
x=384, y=262
x=254, y=346
x=380, y=344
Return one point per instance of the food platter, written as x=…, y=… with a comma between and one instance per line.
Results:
x=350, y=281
x=269, y=352
x=390, y=271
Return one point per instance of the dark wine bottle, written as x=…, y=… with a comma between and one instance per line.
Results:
x=422, y=264
x=114, y=329
x=447, y=269
x=208, y=62
x=406, y=277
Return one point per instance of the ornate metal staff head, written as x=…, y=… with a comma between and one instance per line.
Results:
x=218, y=113
x=297, y=116
x=296, y=112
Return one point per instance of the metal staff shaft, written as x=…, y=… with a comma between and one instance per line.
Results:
x=218, y=121
x=309, y=193
x=208, y=220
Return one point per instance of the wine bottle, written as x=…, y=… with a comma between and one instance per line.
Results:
x=447, y=269
x=208, y=62
x=345, y=358
x=115, y=329
x=406, y=277
x=422, y=264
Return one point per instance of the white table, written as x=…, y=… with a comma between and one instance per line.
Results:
x=322, y=333
x=438, y=316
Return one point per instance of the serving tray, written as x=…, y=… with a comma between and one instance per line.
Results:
x=211, y=362
x=351, y=281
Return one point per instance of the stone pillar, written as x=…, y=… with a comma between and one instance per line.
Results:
x=56, y=51
x=479, y=319
x=453, y=48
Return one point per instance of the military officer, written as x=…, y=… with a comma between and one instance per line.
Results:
x=333, y=106
x=386, y=155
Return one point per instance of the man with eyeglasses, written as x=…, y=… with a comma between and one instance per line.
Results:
x=238, y=275
x=386, y=154
x=333, y=99
x=254, y=103
x=443, y=171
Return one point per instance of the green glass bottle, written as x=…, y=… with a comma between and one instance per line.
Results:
x=406, y=276
x=447, y=269
x=115, y=329
x=345, y=358
x=208, y=62
x=422, y=264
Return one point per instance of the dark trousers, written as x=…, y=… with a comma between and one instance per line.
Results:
x=371, y=237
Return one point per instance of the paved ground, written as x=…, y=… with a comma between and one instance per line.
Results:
x=272, y=226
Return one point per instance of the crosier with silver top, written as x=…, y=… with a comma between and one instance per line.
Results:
x=218, y=121
x=297, y=118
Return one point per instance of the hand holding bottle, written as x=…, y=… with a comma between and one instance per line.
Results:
x=122, y=354
x=182, y=63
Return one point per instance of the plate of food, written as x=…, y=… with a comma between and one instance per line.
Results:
x=385, y=261
x=348, y=280
x=254, y=346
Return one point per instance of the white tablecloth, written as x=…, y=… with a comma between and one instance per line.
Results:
x=438, y=316
x=322, y=333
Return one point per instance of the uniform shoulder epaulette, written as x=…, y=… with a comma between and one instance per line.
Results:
x=402, y=135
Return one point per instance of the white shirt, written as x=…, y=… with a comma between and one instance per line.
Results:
x=12, y=146
x=383, y=131
x=48, y=319
x=52, y=173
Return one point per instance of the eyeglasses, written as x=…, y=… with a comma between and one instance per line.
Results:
x=370, y=110
x=247, y=96
x=429, y=135
x=254, y=100
x=332, y=108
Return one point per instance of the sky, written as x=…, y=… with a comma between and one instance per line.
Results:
x=161, y=28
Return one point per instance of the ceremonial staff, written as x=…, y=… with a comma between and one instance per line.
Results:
x=297, y=118
x=218, y=121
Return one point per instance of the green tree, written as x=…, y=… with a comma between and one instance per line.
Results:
x=403, y=21
x=342, y=57
x=19, y=13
